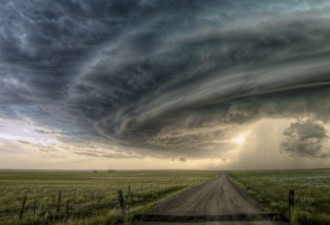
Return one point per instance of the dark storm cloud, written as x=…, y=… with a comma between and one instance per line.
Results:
x=305, y=139
x=164, y=77
x=42, y=44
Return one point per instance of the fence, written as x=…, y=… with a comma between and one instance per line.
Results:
x=65, y=204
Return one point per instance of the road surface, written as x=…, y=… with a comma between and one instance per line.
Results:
x=215, y=198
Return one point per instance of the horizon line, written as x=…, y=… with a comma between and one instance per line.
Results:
x=149, y=170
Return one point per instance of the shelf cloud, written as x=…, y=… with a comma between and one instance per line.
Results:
x=172, y=79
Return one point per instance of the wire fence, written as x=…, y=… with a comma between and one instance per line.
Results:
x=68, y=201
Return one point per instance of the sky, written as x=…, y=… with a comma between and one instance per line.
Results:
x=164, y=84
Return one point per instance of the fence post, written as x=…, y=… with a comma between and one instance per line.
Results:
x=129, y=192
x=59, y=202
x=121, y=201
x=67, y=208
x=34, y=206
x=291, y=202
x=92, y=198
x=22, y=208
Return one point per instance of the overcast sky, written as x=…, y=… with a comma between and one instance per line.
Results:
x=150, y=84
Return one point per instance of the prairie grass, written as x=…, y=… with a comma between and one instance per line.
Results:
x=92, y=196
x=271, y=189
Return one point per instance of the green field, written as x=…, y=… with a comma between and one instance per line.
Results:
x=271, y=189
x=92, y=197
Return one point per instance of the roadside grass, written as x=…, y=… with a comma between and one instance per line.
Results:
x=271, y=189
x=105, y=216
x=146, y=189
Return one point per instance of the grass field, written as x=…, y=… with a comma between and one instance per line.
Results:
x=271, y=189
x=92, y=197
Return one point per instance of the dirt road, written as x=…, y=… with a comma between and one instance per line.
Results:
x=218, y=197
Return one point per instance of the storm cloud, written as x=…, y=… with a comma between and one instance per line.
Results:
x=166, y=78
x=305, y=139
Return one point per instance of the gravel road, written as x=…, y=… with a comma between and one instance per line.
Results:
x=217, y=197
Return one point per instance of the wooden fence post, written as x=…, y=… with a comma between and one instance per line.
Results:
x=129, y=192
x=67, y=208
x=34, y=206
x=291, y=202
x=92, y=198
x=121, y=201
x=59, y=201
x=22, y=208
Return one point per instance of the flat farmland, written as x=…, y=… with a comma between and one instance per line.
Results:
x=271, y=189
x=87, y=197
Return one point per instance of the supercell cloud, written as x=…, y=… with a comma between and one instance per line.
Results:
x=167, y=78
